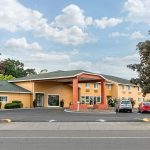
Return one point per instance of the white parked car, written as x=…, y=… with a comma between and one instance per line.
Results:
x=124, y=105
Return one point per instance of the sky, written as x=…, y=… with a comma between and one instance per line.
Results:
x=98, y=36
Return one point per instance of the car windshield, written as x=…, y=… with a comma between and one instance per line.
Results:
x=146, y=104
x=125, y=102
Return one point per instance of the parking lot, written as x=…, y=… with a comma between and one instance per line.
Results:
x=59, y=115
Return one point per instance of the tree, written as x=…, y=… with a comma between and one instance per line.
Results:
x=30, y=72
x=14, y=68
x=143, y=68
x=6, y=77
x=43, y=71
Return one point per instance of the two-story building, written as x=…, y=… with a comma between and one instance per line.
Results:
x=49, y=89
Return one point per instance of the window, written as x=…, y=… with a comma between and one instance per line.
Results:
x=95, y=85
x=87, y=85
x=140, y=99
x=90, y=99
x=108, y=86
x=98, y=99
x=123, y=87
x=3, y=98
x=82, y=101
x=129, y=87
x=87, y=99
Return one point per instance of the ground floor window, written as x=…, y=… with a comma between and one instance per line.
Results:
x=53, y=100
x=3, y=98
x=90, y=99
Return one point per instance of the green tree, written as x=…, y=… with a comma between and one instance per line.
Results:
x=6, y=77
x=30, y=71
x=143, y=68
x=14, y=68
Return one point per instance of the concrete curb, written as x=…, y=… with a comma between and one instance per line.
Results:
x=88, y=112
x=5, y=120
x=146, y=119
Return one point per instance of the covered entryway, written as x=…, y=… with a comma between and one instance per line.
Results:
x=53, y=100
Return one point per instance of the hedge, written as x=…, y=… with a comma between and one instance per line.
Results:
x=16, y=101
x=13, y=105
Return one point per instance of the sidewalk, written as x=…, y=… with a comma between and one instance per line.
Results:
x=75, y=126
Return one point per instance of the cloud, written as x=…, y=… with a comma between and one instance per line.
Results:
x=137, y=10
x=136, y=35
x=69, y=27
x=21, y=44
x=107, y=22
x=118, y=34
x=72, y=15
x=14, y=16
x=117, y=66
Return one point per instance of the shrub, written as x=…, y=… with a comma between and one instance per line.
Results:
x=13, y=105
x=112, y=102
x=16, y=101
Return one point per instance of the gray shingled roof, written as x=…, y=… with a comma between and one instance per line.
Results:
x=71, y=73
x=5, y=86
x=116, y=79
x=55, y=74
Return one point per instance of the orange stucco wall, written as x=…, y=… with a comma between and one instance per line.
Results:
x=65, y=91
x=96, y=92
x=26, y=85
x=55, y=88
x=25, y=98
x=132, y=93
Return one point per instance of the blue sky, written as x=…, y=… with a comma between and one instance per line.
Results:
x=99, y=36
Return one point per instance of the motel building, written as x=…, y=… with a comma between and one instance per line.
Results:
x=77, y=89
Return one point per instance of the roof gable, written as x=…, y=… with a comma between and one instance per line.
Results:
x=5, y=86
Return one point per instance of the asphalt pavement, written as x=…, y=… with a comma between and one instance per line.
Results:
x=75, y=140
x=59, y=115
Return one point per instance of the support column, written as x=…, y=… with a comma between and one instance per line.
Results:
x=103, y=94
x=75, y=93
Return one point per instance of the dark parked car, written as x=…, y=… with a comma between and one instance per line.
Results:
x=144, y=107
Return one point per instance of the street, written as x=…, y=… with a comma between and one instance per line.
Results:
x=59, y=115
x=55, y=129
x=72, y=140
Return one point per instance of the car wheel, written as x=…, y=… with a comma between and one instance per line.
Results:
x=131, y=111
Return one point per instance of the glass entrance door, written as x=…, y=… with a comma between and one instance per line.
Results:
x=53, y=100
x=39, y=97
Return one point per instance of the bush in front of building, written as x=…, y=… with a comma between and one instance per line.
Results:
x=112, y=102
x=13, y=105
x=18, y=102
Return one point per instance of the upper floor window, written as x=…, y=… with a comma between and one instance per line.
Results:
x=109, y=86
x=87, y=85
x=123, y=87
x=129, y=87
x=95, y=85
x=3, y=98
